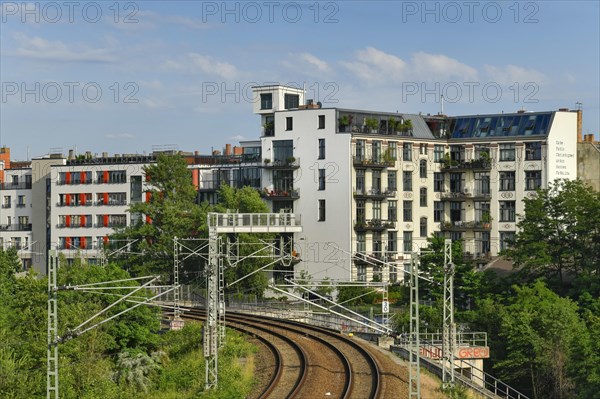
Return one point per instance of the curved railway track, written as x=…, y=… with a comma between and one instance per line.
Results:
x=308, y=361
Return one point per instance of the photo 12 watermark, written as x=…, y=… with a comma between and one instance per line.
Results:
x=471, y=92
x=238, y=92
x=69, y=92
x=453, y=12
x=54, y=12
x=253, y=12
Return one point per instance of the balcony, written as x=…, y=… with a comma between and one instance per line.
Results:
x=477, y=257
x=373, y=162
x=465, y=225
x=289, y=163
x=371, y=258
x=374, y=225
x=476, y=164
x=15, y=227
x=374, y=193
x=281, y=195
x=465, y=195
x=18, y=186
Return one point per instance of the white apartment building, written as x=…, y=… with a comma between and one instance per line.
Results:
x=374, y=183
x=16, y=213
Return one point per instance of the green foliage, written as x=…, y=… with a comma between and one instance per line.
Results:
x=560, y=237
x=352, y=296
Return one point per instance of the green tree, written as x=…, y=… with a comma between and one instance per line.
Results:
x=172, y=211
x=542, y=332
x=559, y=236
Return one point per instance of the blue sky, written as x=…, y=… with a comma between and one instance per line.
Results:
x=162, y=66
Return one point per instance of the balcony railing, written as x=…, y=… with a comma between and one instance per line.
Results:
x=15, y=227
x=373, y=162
x=18, y=186
x=280, y=194
x=465, y=165
x=374, y=193
x=290, y=163
x=464, y=195
x=374, y=224
x=465, y=225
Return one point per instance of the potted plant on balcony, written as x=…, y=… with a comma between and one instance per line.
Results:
x=372, y=124
x=484, y=157
x=405, y=127
x=486, y=219
x=267, y=161
x=344, y=121
x=393, y=125
x=290, y=160
x=388, y=159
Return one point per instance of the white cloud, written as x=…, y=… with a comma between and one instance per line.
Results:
x=509, y=74
x=238, y=137
x=119, y=136
x=194, y=62
x=42, y=49
x=306, y=63
x=374, y=65
x=441, y=67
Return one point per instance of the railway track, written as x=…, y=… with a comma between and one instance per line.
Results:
x=308, y=361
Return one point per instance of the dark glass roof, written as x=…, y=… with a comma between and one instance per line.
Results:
x=526, y=124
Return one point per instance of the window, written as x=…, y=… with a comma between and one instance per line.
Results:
x=438, y=182
x=136, y=189
x=456, y=182
x=360, y=211
x=321, y=121
x=15, y=180
x=391, y=179
x=423, y=227
x=507, y=152
x=361, y=242
x=377, y=210
x=423, y=196
x=456, y=212
x=291, y=101
x=482, y=242
x=376, y=151
x=283, y=180
x=533, y=179
x=438, y=153
x=392, y=211
x=407, y=181
x=360, y=181
x=360, y=150
x=507, y=181
x=289, y=123
x=361, y=273
x=377, y=244
x=457, y=153
x=423, y=169
x=423, y=149
x=438, y=211
x=507, y=239
x=376, y=181
x=481, y=209
x=321, y=210
x=393, y=149
x=321, y=179
x=480, y=150
x=321, y=148
x=20, y=201
x=507, y=211
x=392, y=242
x=282, y=150
x=6, y=202
x=266, y=101
x=407, y=152
x=407, y=241
x=533, y=151
x=482, y=183
x=407, y=211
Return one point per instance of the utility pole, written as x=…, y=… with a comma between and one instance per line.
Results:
x=52, y=364
x=414, y=345
x=448, y=328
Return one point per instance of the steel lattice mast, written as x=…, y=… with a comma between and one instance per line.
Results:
x=448, y=328
x=414, y=382
x=52, y=363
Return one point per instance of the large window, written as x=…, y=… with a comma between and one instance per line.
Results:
x=377, y=210
x=392, y=184
x=457, y=213
x=376, y=181
x=321, y=210
x=507, y=239
x=457, y=153
x=360, y=181
x=393, y=149
x=321, y=179
x=407, y=180
x=361, y=242
x=136, y=188
x=423, y=196
x=282, y=150
x=266, y=101
x=423, y=169
x=360, y=211
x=423, y=227
x=289, y=123
x=456, y=182
x=438, y=211
x=376, y=151
x=438, y=182
x=407, y=211
x=321, y=148
x=507, y=181
x=507, y=211
x=482, y=183
x=392, y=211
x=407, y=152
x=321, y=121
x=291, y=101
x=360, y=150
x=392, y=243
x=507, y=152
x=533, y=151
x=407, y=241
x=533, y=179
x=438, y=152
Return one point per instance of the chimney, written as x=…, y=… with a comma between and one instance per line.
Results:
x=227, y=149
x=579, y=124
x=71, y=154
x=216, y=152
x=196, y=153
x=238, y=150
